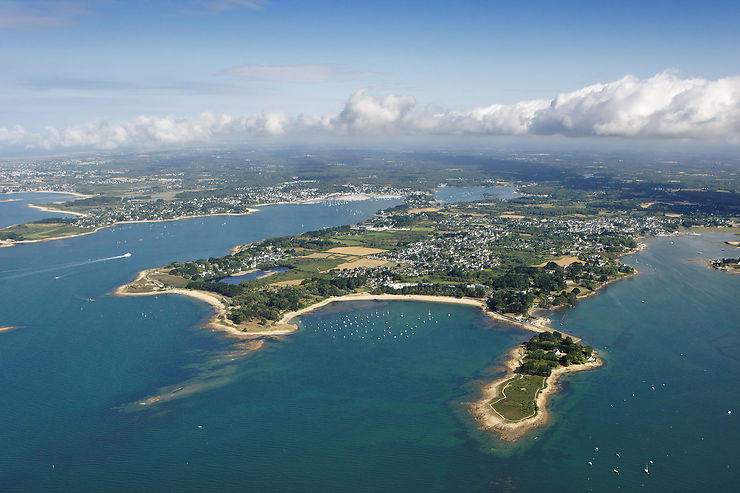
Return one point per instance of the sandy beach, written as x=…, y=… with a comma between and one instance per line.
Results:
x=219, y=320
x=489, y=420
x=54, y=210
x=538, y=325
x=480, y=410
x=79, y=195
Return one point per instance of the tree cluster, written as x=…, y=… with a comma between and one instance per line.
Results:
x=549, y=350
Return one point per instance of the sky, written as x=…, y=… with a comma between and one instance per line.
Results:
x=110, y=74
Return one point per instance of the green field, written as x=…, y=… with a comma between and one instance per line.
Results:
x=41, y=231
x=517, y=400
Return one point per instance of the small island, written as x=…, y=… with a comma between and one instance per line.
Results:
x=515, y=404
x=725, y=264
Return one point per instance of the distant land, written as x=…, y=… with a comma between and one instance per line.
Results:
x=548, y=243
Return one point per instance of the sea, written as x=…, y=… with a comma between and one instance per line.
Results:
x=367, y=395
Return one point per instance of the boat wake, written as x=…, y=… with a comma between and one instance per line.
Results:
x=18, y=273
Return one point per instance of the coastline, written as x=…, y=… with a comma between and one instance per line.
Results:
x=510, y=431
x=285, y=326
x=480, y=410
x=80, y=195
x=5, y=244
x=539, y=325
x=726, y=268
x=349, y=197
x=55, y=210
x=487, y=420
x=250, y=210
x=218, y=320
x=595, y=291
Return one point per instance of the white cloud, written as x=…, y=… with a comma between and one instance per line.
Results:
x=12, y=136
x=365, y=113
x=663, y=106
x=301, y=73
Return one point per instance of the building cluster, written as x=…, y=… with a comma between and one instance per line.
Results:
x=473, y=243
x=216, y=268
x=149, y=208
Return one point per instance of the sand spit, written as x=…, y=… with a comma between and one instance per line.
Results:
x=219, y=320
x=6, y=243
x=54, y=210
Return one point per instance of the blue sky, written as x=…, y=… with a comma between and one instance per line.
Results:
x=66, y=64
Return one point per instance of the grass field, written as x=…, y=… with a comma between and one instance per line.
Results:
x=42, y=231
x=517, y=400
x=170, y=280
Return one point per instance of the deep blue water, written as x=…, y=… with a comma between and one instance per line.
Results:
x=366, y=396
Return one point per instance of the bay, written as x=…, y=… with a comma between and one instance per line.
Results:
x=14, y=207
x=450, y=195
x=320, y=411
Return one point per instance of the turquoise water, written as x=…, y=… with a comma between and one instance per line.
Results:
x=376, y=405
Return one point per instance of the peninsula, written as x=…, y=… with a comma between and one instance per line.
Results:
x=459, y=253
x=516, y=403
x=93, y=213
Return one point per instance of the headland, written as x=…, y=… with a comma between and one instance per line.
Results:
x=481, y=410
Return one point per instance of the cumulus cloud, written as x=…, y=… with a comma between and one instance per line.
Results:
x=365, y=113
x=663, y=106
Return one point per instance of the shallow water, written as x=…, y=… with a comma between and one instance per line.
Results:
x=375, y=405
